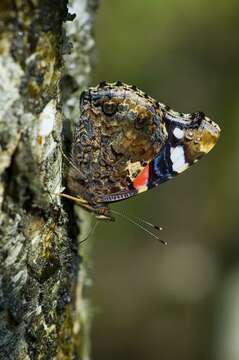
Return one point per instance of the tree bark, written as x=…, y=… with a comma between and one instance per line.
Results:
x=43, y=313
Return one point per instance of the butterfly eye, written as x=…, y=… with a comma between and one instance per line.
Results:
x=109, y=108
x=141, y=121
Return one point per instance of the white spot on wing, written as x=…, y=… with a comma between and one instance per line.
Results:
x=178, y=159
x=178, y=133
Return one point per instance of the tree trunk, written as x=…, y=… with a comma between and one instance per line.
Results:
x=43, y=314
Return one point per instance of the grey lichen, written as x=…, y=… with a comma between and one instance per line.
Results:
x=39, y=257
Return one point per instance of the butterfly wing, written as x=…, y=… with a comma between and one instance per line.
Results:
x=157, y=171
x=120, y=131
x=126, y=143
x=184, y=147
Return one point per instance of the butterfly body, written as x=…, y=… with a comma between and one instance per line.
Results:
x=126, y=142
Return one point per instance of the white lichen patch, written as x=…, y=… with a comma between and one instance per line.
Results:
x=10, y=78
x=36, y=239
x=47, y=119
x=50, y=148
x=38, y=310
x=21, y=277
x=48, y=329
x=13, y=254
x=11, y=109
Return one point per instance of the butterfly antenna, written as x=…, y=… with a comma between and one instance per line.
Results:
x=91, y=232
x=154, y=226
x=132, y=221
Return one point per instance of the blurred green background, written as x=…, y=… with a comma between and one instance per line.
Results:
x=180, y=301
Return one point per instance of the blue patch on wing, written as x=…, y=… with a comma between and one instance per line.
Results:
x=160, y=168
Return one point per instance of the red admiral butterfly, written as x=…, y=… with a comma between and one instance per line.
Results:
x=126, y=142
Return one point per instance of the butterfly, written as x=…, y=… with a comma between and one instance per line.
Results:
x=125, y=143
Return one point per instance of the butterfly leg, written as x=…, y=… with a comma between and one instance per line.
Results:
x=102, y=212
